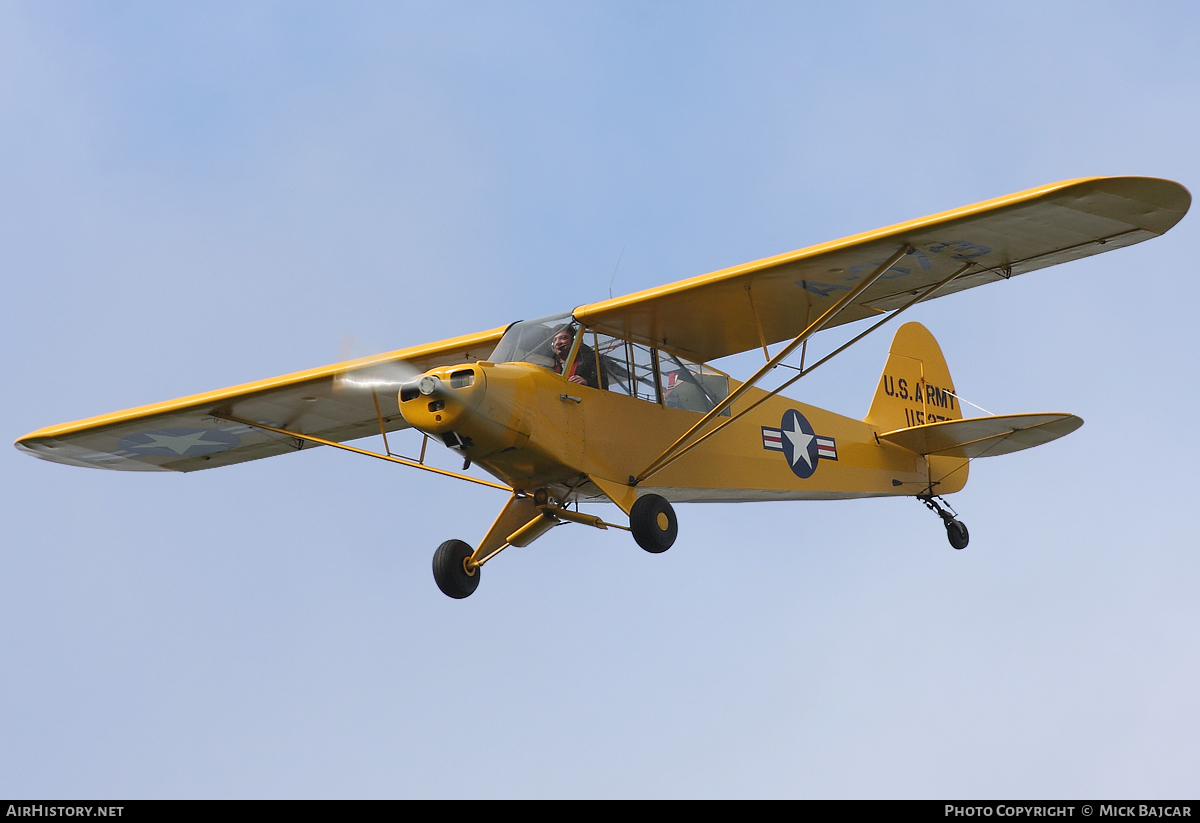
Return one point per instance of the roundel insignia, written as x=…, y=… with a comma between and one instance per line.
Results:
x=178, y=442
x=801, y=446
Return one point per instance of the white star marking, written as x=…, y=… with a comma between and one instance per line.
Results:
x=178, y=443
x=799, y=441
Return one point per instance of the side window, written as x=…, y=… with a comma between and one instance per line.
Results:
x=688, y=386
x=626, y=368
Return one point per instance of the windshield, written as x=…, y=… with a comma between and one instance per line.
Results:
x=532, y=341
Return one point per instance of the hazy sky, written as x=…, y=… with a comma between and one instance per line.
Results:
x=193, y=196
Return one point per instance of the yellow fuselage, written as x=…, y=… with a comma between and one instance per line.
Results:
x=532, y=428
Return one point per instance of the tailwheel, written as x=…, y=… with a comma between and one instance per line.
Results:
x=956, y=530
x=450, y=570
x=653, y=523
x=956, y=533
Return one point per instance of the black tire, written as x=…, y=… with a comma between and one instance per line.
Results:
x=653, y=523
x=449, y=572
x=956, y=533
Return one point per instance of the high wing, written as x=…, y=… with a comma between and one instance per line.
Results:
x=719, y=314
x=334, y=402
x=706, y=317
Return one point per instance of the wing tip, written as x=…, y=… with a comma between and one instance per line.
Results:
x=1163, y=194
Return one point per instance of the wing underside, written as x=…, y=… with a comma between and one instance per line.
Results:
x=723, y=313
x=336, y=403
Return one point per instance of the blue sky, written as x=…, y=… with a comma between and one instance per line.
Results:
x=195, y=197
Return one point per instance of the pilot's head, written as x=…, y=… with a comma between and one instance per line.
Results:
x=561, y=343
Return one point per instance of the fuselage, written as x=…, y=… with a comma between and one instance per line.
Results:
x=532, y=428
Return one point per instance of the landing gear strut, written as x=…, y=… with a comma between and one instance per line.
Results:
x=956, y=530
x=525, y=518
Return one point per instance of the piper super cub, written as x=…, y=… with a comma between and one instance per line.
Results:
x=616, y=401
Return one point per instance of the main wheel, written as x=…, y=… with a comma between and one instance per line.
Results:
x=450, y=571
x=956, y=533
x=653, y=523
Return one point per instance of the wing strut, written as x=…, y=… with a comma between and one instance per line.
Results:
x=391, y=458
x=833, y=311
x=664, y=460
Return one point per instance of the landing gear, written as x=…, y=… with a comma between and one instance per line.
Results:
x=450, y=570
x=956, y=530
x=653, y=523
x=457, y=567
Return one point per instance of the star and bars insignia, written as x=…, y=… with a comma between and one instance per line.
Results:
x=802, y=447
x=177, y=442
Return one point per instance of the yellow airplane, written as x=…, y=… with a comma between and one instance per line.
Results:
x=615, y=401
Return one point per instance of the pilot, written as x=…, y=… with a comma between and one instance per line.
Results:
x=583, y=370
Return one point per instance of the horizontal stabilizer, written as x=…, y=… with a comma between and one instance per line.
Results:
x=984, y=436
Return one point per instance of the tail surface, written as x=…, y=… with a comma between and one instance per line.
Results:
x=916, y=389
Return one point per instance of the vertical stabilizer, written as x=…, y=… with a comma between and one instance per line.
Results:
x=916, y=389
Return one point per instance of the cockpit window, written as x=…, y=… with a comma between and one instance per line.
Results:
x=626, y=367
x=687, y=385
x=605, y=362
x=532, y=341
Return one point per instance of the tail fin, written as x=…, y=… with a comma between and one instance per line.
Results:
x=915, y=387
